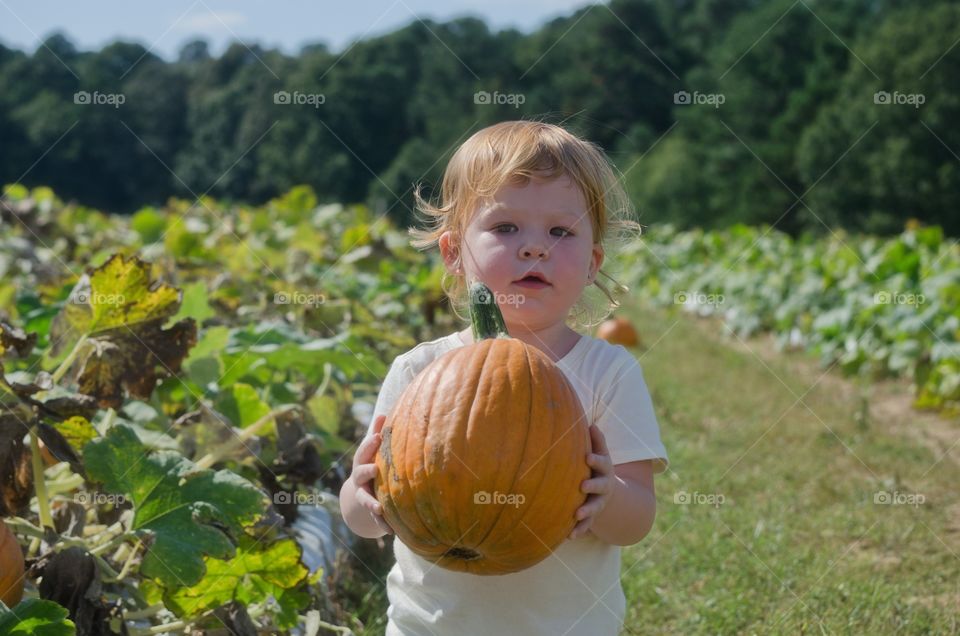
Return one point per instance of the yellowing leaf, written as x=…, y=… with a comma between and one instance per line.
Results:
x=122, y=294
x=257, y=571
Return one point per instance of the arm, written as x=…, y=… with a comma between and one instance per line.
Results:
x=632, y=507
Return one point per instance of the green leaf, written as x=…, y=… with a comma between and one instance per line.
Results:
x=256, y=572
x=34, y=617
x=190, y=512
x=195, y=303
x=212, y=341
x=149, y=224
x=242, y=405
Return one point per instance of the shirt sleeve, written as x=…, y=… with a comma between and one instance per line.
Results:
x=626, y=418
x=398, y=377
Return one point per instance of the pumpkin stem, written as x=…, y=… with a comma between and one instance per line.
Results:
x=485, y=316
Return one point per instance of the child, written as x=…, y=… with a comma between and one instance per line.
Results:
x=522, y=198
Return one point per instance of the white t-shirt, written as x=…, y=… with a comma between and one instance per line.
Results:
x=576, y=590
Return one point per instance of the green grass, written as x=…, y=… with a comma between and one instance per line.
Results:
x=798, y=544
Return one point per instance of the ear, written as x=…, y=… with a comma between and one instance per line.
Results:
x=450, y=251
x=596, y=260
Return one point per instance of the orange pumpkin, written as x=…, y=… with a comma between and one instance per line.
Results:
x=618, y=331
x=11, y=568
x=482, y=457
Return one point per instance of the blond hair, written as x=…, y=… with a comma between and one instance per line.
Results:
x=516, y=151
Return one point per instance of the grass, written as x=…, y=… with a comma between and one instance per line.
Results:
x=798, y=544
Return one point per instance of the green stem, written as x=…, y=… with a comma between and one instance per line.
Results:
x=159, y=629
x=69, y=359
x=39, y=483
x=125, y=570
x=147, y=612
x=486, y=319
x=113, y=543
x=19, y=525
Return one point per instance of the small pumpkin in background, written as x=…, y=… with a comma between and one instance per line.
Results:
x=11, y=568
x=619, y=331
x=482, y=458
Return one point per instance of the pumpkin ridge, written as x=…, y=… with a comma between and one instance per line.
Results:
x=434, y=520
x=558, y=387
x=405, y=489
x=477, y=363
x=526, y=440
x=542, y=477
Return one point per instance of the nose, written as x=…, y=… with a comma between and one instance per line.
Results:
x=529, y=250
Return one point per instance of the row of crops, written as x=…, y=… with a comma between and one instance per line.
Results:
x=874, y=307
x=194, y=378
x=180, y=390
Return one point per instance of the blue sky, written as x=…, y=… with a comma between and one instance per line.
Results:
x=287, y=25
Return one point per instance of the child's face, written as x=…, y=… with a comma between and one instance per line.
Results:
x=543, y=227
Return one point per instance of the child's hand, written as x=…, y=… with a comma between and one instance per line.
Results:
x=364, y=471
x=599, y=486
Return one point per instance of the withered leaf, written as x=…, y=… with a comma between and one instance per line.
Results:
x=126, y=359
x=43, y=381
x=66, y=406
x=14, y=339
x=59, y=447
x=16, y=476
x=71, y=578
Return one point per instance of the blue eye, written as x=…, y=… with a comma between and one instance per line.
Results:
x=563, y=229
x=502, y=225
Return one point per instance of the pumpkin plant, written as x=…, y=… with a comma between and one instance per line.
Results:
x=482, y=457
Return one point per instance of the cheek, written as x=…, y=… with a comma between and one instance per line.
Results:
x=491, y=248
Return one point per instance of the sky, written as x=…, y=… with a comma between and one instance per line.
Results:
x=163, y=27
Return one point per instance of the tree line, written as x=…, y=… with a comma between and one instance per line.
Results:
x=806, y=113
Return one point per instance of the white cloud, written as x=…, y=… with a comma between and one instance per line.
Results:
x=211, y=21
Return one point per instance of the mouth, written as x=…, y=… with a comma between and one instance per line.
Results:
x=533, y=279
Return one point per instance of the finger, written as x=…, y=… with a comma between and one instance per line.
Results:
x=383, y=525
x=591, y=509
x=598, y=485
x=378, y=423
x=367, y=449
x=369, y=502
x=580, y=529
x=601, y=463
x=363, y=474
x=598, y=439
